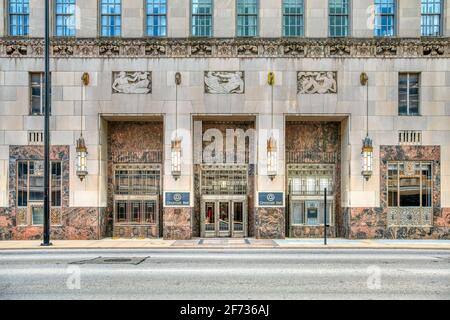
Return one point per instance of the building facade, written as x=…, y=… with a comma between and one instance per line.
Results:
x=228, y=118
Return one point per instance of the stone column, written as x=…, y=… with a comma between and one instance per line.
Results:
x=133, y=18
x=177, y=221
x=270, y=18
x=316, y=13
x=270, y=222
x=361, y=21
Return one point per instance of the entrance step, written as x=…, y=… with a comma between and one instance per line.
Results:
x=222, y=242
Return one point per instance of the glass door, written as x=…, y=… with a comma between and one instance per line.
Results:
x=224, y=219
x=209, y=219
x=238, y=219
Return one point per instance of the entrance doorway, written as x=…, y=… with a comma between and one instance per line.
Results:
x=223, y=218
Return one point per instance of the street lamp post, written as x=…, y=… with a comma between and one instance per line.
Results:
x=47, y=102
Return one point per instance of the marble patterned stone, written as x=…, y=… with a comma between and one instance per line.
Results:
x=372, y=223
x=177, y=223
x=316, y=143
x=270, y=223
x=133, y=142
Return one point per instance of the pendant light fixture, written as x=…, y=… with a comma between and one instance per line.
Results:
x=272, y=165
x=367, y=148
x=176, y=150
x=81, y=150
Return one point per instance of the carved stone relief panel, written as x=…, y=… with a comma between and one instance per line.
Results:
x=132, y=82
x=224, y=82
x=317, y=82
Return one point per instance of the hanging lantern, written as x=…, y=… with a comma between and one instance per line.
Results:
x=367, y=158
x=176, y=158
x=81, y=159
x=272, y=168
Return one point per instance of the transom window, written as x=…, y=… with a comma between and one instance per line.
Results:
x=385, y=18
x=222, y=179
x=30, y=183
x=137, y=180
x=156, y=18
x=111, y=20
x=311, y=180
x=247, y=18
x=410, y=184
x=202, y=18
x=338, y=18
x=431, y=18
x=409, y=94
x=19, y=13
x=293, y=18
x=37, y=90
x=65, y=23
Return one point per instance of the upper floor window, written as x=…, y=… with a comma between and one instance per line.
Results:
x=431, y=18
x=37, y=89
x=156, y=18
x=409, y=88
x=202, y=18
x=65, y=18
x=293, y=18
x=111, y=18
x=385, y=11
x=338, y=18
x=19, y=12
x=247, y=18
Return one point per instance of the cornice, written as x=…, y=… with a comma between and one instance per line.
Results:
x=228, y=48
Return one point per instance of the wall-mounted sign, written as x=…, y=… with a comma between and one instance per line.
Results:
x=177, y=199
x=270, y=199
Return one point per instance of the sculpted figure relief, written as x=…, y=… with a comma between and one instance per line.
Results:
x=317, y=82
x=224, y=82
x=132, y=82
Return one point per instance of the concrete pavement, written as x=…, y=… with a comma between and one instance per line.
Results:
x=231, y=244
x=243, y=274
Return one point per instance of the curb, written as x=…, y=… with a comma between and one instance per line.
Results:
x=233, y=248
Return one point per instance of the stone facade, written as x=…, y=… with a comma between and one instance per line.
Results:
x=369, y=223
x=270, y=223
x=133, y=142
x=316, y=143
x=120, y=127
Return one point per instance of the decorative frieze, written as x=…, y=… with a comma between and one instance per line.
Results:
x=229, y=47
x=224, y=82
x=317, y=82
x=134, y=82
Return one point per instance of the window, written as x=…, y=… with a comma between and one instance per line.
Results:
x=111, y=18
x=409, y=94
x=65, y=18
x=338, y=18
x=293, y=18
x=30, y=183
x=156, y=18
x=385, y=18
x=19, y=11
x=410, y=184
x=311, y=213
x=37, y=90
x=247, y=18
x=201, y=18
x=431, y=18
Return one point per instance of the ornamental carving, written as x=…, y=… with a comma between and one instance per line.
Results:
x=224, y=82
x=16, y=50
x=320, y=82
x=201, y=49
x=132, y=82
x=230, y=47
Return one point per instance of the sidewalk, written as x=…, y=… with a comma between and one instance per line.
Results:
x=249, y=243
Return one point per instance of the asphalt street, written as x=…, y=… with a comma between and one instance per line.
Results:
x=225, y=274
